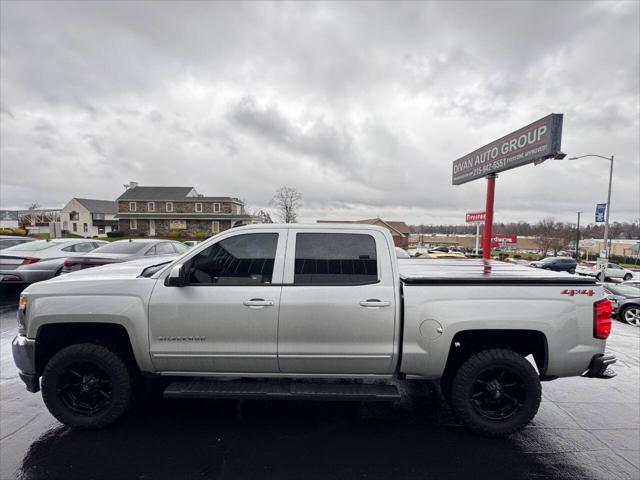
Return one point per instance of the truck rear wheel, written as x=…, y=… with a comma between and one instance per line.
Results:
x=496, y=392
x=87, y=386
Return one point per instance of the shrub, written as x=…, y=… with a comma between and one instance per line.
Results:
x=175, y=233
x=115, y=233
x=201, y=235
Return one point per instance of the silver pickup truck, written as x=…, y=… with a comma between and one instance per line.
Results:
x=309, y=312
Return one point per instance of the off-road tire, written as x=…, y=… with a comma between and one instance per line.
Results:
x=113, y=365
x=467, y=376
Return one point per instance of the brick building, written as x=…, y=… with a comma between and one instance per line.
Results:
x=157, y=211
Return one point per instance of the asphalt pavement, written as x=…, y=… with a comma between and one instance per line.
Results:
x=584, y=429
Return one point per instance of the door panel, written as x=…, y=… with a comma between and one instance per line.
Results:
x=226, y=318
x=209, y=329
x=334, y=328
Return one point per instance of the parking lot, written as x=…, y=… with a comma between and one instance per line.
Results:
x=584, y=429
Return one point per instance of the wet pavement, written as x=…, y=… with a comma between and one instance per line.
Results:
x=584, y=429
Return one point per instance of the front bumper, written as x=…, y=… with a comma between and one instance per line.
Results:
x=599, y=367
x=24, y=356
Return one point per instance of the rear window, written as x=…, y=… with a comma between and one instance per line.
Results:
x=34, y=246
x=335, y=258
x=122, y=247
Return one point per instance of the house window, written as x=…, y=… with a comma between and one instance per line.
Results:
x=75, y=227
x=216, y=207
x=169, y=206
x=132, y=206
x=85, y=227
x=133, y=224
x=74, y=216
x=198, y=207
x=101, y=230
x=151, y=206
x=215, y=226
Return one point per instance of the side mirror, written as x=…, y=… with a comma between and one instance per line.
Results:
x=177, y=277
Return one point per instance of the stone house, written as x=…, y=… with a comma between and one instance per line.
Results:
x=88, y=217
x=159, y=211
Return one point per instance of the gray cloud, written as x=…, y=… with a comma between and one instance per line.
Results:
x=362, y=106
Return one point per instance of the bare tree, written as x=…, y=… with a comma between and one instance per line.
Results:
x=33, y=206
x=549, y=236
x=287, y=201
x=262, y=215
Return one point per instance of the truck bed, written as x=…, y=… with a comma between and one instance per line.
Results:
x=479, y=272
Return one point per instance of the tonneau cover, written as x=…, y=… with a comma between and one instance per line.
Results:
x=477, y=271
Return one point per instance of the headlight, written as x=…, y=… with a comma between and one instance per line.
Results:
x=22, y=311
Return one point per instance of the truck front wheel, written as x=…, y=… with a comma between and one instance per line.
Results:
x=496, y=392
x=87, y=386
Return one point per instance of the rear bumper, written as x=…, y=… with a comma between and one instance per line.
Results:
x=599, y=367
x=25, y=276
x=24, y=356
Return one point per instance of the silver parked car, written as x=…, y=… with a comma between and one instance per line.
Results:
x=123, y=251
x=7, y=241
x=41, y=259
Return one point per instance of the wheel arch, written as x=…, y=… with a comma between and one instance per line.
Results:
x=466, y=343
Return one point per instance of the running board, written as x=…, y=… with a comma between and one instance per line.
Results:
x=282, y=391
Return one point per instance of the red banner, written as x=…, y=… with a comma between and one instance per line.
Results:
x=475, y=217
x=500, y=241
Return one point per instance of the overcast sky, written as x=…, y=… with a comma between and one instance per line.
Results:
x=360, y=106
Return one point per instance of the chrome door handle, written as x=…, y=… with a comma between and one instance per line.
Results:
x=258, y=302
x=372, y=302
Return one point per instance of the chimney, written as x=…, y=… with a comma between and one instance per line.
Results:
x=131, y=185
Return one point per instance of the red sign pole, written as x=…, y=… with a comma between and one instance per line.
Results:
x=488, y=221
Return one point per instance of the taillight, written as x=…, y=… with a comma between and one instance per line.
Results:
x=68, y=263
x=29, y=260
x=602, y=311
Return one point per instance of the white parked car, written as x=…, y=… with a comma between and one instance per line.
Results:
x=613, y=270
x=41, y=259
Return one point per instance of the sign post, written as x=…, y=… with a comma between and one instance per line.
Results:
x=534, y=143
x=477, y=218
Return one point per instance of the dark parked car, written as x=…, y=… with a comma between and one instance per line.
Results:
x=625, y=298
x=123, y=251
x=557, y=264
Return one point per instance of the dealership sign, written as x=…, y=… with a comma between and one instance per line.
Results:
x=503, y=241
x=475, y=217
x=533, y=143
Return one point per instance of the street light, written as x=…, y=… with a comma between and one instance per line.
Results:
x=603, y=266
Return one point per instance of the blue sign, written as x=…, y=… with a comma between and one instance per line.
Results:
x=600, y=209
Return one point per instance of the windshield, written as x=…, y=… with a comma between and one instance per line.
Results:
x=626, y=290
x=122, y=246
x=33, y=246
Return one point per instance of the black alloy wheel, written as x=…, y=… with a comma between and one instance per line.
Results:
x=498, y=393
x=84, y=388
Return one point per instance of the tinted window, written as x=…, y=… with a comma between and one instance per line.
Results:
x=335, y=258
x=122, y=246
x=83, y=247
x=240, y=260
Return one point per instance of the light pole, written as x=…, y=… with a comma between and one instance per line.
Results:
x=578, y=238
x=603, y=265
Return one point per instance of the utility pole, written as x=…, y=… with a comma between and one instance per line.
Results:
x=578, y=238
